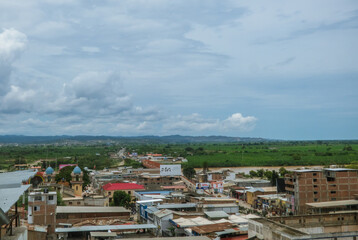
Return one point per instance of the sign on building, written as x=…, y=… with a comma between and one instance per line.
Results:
x=202, y=185
x=170, y=170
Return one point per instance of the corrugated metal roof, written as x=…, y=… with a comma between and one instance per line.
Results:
x=333, y=203
x=151, y=209
x=9, y=196
x=178, y=205
x=105, y=228
x=80, y=209
x=163, y=213
x=191, y=222
x=220, y=205
x=122, y=186
x=15, y=179
x=217, y=214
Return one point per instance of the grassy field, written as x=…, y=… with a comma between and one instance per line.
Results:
x=281, y=154
x=288, y=153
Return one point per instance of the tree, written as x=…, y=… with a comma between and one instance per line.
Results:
x=188, y=171
x=60, y=202
x=253, y=173
x=121, y=198
x=205, y=167
x=260, y=173
x=282, y=171
x=274, y=177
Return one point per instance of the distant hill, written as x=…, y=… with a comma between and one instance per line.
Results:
x=20, y=139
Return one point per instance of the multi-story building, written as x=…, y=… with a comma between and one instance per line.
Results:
x=155, y=181
x=42, y=208
x=320, y=185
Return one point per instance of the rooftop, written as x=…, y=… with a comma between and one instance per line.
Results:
x=177, y=205
x=163, y=213
x=122, y=186
x=210, y=228
x=332, y=203
x=80, y=209
x=105, y=228
x=217, y=214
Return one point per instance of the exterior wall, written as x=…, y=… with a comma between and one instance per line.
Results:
x=41, y=210
x=76, y=217
x=74, y=202
x=251, y=196
x=320, y=186
x=155, y=182
x=94, y=201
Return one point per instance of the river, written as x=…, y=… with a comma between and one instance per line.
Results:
x=247, y=170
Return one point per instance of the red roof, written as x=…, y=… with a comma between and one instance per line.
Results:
x=122, y=186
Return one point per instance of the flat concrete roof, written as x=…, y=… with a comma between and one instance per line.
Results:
x=175, y=238
x=105, y=228
x=333, y=203
x=81, y=209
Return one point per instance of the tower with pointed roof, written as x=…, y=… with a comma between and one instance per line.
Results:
x=77, y=181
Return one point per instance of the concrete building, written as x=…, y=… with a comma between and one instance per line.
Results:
x=77, y=214
x=320, y=185
x=343, y=225
x=155, y=181
x=42, y=208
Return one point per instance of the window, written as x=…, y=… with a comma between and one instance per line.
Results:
x=333, y=192
x=50, y=198
x=315, y=192
x=77, y=178
x=315, y=186
x=76, y=188
x=129, y=192
x=69, y=203
x=333, y=199
x=314, y=180
x=314, y=174
x=36, y=208
x=109, y=193
x=37, y=198
x=78, y=203
x=316, y=199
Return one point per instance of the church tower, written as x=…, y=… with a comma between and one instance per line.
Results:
x=77, y=181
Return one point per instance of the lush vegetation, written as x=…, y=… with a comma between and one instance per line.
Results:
x=282, y=153
x=121, y=198
x=86, y=156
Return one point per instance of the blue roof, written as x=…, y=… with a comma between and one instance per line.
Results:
x=49, y=171
x=77, y=170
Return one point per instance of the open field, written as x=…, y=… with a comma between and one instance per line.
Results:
x=284, y=153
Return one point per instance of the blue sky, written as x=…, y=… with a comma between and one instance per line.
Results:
x=277, y=69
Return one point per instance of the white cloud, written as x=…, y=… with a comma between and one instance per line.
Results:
x=12, y=44
x=195, y=123
x=91, y=49
x=238, y=122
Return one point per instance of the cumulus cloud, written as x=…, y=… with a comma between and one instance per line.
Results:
x=196, y=123
x=238, y=122
x=12, y=44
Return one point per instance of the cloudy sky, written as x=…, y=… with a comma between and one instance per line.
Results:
x=277, y=69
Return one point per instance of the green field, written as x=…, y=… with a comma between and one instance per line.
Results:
x=264, y=154
x=284, y=153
